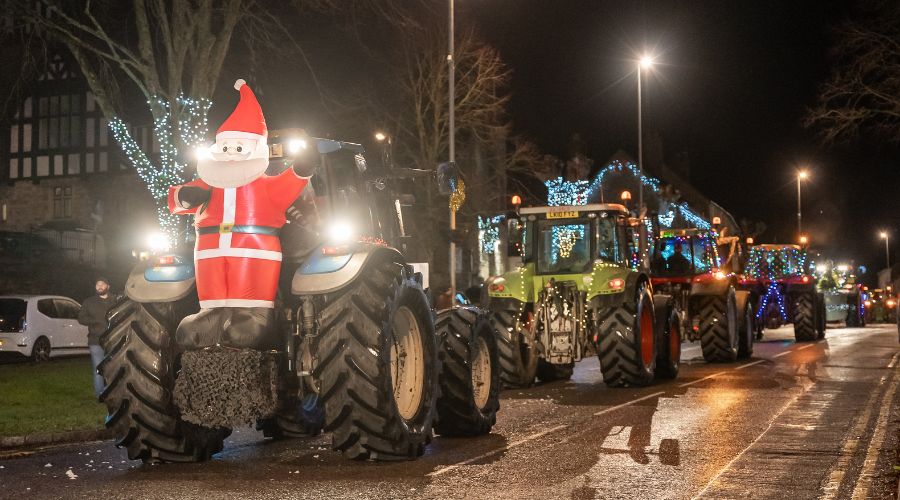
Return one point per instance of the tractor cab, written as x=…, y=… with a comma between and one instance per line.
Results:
x=571, y=239
x=682, y=254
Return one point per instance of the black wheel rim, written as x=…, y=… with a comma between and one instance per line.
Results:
x=42, y=350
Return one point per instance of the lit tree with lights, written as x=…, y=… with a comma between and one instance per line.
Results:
x=171, y=52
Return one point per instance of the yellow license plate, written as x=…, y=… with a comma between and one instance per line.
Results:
x=276, y=150
x=562, y=215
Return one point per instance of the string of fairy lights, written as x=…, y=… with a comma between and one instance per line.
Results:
x=193, y=127
x=772, y=264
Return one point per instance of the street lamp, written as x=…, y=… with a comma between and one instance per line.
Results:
x=451, y=84
x=801, y=176
x=386, y=153
x=887, y=247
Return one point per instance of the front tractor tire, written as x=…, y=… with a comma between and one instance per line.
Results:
x=516, y=350
x=139, y=371
x=718, y=327
x=470, y=381
x=804, y=311
x=626, y=341
x=377, y=366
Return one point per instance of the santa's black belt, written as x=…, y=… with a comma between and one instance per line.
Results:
x=245, y=229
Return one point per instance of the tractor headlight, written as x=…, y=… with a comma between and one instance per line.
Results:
x=296, y=145
x=158, y=242
x=341, y=232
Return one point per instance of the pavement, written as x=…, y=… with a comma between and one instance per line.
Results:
x=811, y=420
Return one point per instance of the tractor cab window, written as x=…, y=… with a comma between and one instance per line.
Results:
x=673, y=257
x=705, y=259
x=607, y=243
x=563, y=247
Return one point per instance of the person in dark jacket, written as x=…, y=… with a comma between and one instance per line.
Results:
x=93, y=315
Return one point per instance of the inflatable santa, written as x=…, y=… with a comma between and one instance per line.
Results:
x=238, y=213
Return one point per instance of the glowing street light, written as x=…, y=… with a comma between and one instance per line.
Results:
x=380, y=136
x=801, y=176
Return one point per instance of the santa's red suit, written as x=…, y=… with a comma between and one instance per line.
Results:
x=238, y=252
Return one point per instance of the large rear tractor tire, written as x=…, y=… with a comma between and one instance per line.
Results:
x=470, y=381
x=626, y=344
x=668, y=357
x=548, y=372
x=804, y=310
x=139, y=371
x=746, y=330
x=517, y=352
x=718, y=327
x=377, y=366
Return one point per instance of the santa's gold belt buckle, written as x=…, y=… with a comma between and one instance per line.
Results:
x=225, y=228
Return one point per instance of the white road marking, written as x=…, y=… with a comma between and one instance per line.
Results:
x=807, y=346
x=739, y=455
x=702, y=379
x=623, y=405
x=864, y=482
x=500, y=450
x=745, y=365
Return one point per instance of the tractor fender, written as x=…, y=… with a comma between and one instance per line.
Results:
x=516, y=284
x=321, y=275
x=149, y=284
x=711, y=287
x=632, y=281
x=741, y=298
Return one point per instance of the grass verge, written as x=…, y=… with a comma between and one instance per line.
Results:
x=48, y=397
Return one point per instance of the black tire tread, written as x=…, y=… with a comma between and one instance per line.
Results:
x=353, y=367
x=618, y=349
x=138, y=370
x=714, y=336
x=804, y=317
x=504, y=318
x=457, y=413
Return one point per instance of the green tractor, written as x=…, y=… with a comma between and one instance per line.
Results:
x=353, y=347
x=579, y=292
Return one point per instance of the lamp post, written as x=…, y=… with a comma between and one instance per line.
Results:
x=451, y=80
x=887, y=247
x=645, y=63
x=801, y=175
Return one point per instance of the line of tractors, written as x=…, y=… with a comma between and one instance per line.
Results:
x=358, y=350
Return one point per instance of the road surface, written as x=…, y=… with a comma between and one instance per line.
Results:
x=812, y=420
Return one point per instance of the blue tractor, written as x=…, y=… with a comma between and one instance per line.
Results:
x=354, y=347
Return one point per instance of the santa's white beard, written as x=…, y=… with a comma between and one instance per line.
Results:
x=231, y=174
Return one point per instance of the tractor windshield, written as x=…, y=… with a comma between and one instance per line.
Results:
x=684, y=256
x=564, y=247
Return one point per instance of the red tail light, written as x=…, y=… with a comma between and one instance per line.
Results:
x=497, y=288
x=616, y=283
x=805, y=279
x=165, y=260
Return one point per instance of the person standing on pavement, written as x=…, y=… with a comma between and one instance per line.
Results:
x=93, y=315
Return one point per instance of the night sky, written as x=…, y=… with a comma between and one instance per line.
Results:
x=731, y=89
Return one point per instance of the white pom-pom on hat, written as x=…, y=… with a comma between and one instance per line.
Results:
x=239, y=83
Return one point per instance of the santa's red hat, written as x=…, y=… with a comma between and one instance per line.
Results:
x=247, y=120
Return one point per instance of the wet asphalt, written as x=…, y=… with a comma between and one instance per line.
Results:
x=811, y=420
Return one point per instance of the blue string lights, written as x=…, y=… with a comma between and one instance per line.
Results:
x=561, y=193
x=489, y=233
x=191, y=118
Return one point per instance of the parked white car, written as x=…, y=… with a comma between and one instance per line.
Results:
x=41, y=326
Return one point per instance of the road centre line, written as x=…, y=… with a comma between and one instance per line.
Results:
x=739, y=455
x=623, y=405
x=807, y=346
x=532, y=437
x=702, y=379
x=745, y=365
x=781, y=354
